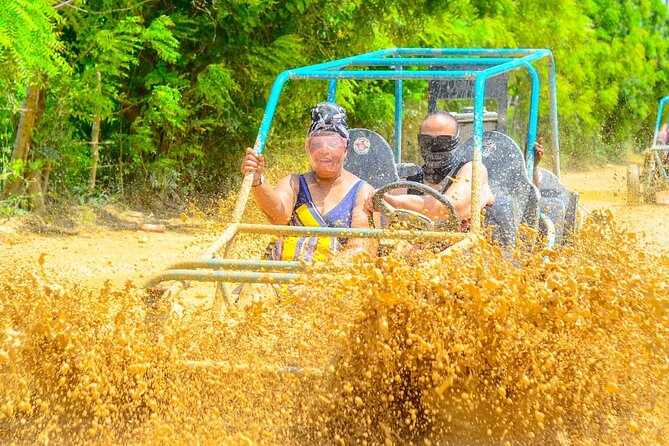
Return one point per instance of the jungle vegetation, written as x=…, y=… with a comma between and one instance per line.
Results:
x=102, y=99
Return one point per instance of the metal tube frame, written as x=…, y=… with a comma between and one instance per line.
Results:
x=655, y=147
x=492, y=62
x=399, y=97
x=552, y=86
x=267, y=271
x=658, y=122
x=534, y=117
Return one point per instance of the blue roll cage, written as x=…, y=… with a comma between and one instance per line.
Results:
x=492, y=61
x=394, y=64
x=656, y=148
x=658, y=123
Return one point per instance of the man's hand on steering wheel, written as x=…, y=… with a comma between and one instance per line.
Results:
x=392, y=206
x=395, y=201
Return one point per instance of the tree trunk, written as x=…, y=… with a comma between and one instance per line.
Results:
x=46, y=171
x=35, y=190
x=29, y=117
x=95, y=151
x=120, y=157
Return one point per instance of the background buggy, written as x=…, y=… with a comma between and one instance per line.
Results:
x=644, y=182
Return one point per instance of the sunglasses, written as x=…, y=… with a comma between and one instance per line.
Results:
x=439, y=143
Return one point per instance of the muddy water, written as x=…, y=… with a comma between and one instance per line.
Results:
x=485, y=347
x=565, y=347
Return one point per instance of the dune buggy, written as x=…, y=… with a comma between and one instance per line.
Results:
x=645, y=181
x=478, y=74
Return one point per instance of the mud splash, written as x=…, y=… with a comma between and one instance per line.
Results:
x=554, y=347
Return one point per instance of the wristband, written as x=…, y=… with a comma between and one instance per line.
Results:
x=262, y=180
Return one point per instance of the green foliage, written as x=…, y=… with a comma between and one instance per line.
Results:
x=159, y=36
x=181, y=89
x=28, y=44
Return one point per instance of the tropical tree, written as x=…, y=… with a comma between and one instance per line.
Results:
x=105, y=96
x=29, y=54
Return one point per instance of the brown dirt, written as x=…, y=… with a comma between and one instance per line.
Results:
x=108, y=245
x=97, y=246
x=605, y=188
x=568, y=348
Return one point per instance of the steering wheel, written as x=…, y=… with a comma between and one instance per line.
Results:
x=450, y=223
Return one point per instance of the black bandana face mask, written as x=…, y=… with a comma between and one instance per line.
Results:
x=327, y=117
x=438, y=152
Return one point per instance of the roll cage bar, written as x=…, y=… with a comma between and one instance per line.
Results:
x=658, y=123
x=656, y=148
x=395, y=62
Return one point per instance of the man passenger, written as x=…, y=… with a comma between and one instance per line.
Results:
x=439, y=141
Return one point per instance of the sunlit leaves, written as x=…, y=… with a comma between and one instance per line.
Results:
x=28, y=40
x=159, y=36
x=183, y=79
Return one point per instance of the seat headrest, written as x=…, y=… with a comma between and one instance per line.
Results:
x=505, y=163
x=550, y=185
x=370, y=158
x=507, y=175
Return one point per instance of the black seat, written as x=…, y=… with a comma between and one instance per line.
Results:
x=551, y=190
x=406, y=170
x=370, y=158
x=516, y=198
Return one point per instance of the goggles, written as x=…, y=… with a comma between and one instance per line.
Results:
x=440, y=143
x=328, y=140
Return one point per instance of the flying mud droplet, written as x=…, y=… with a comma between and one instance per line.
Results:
x=486, y=347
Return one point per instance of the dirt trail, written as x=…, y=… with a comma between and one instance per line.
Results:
x=605, y=188
x=97, y=253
